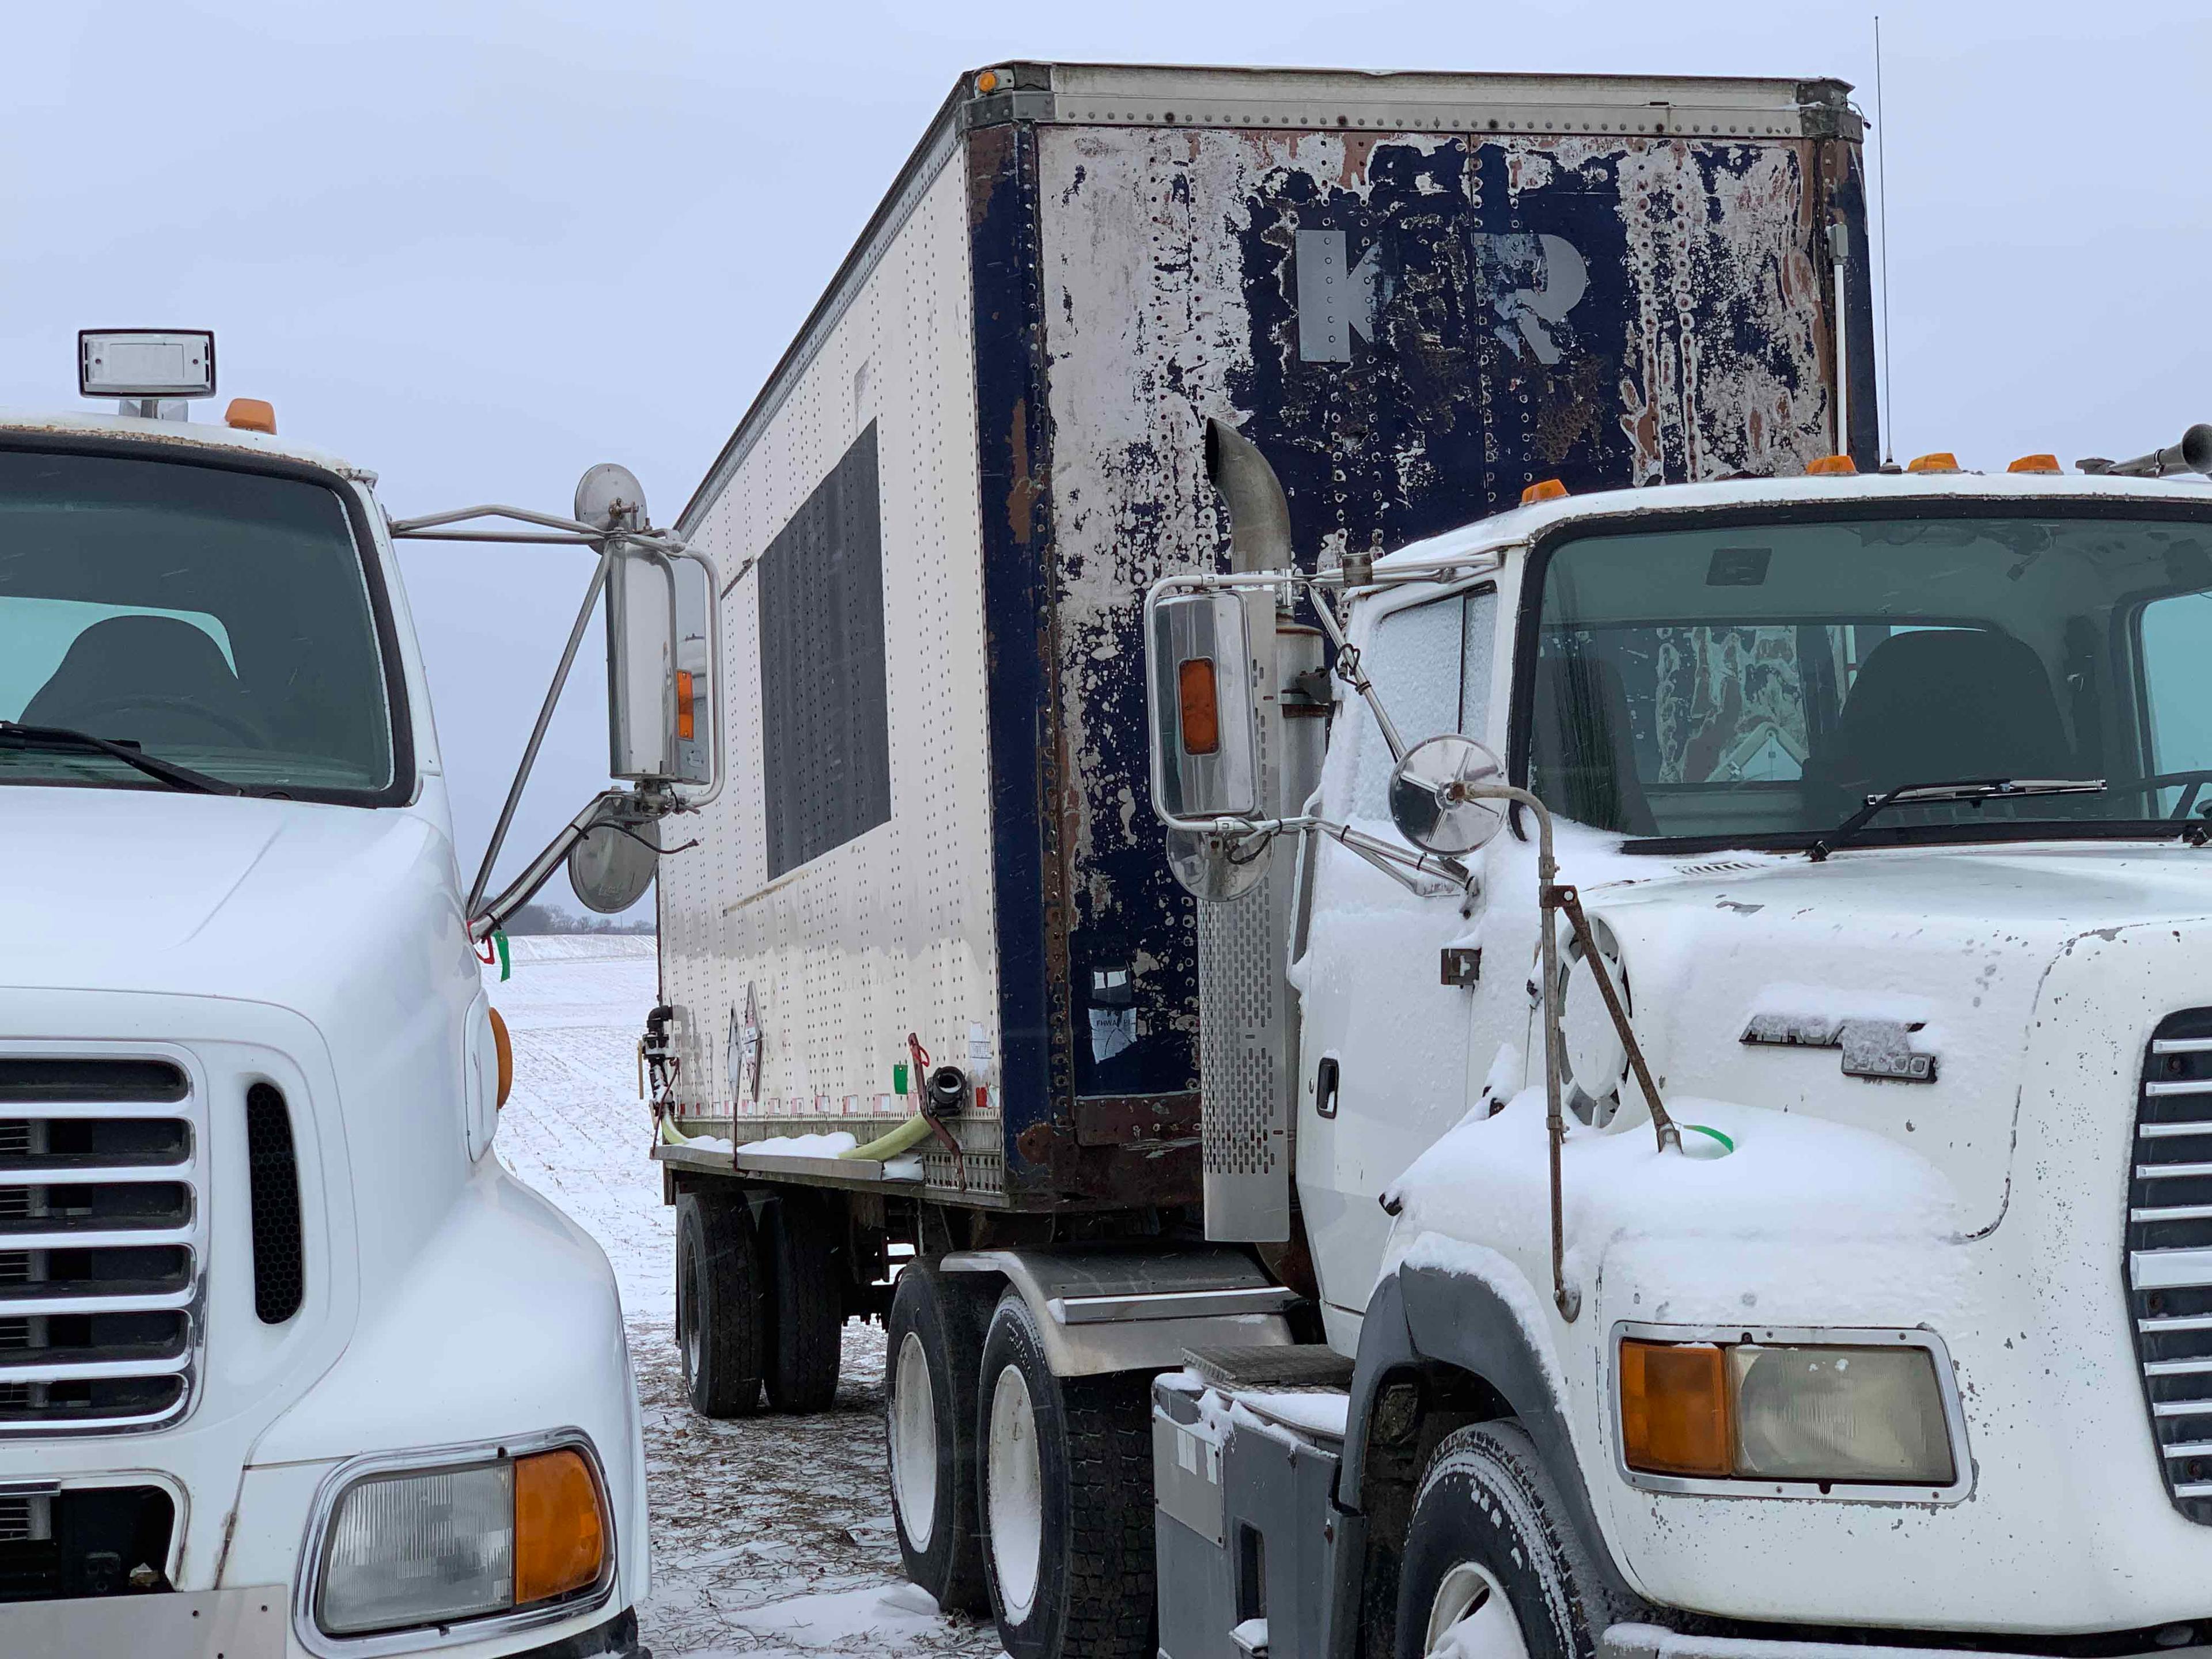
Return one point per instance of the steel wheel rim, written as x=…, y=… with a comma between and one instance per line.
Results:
x=1471, y=1618
x=913, y=1444
x=1016, y=1489
x=687, y=1315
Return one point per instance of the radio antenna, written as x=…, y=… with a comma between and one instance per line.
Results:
x=1881, y=168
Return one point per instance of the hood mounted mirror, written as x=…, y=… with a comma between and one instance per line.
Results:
x=1433, y=799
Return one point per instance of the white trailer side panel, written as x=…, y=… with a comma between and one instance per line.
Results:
x=891, y=932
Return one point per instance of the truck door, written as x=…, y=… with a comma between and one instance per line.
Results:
x=1383, y=1053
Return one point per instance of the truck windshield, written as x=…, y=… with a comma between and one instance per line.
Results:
x=217, y=619
x=1744, y=683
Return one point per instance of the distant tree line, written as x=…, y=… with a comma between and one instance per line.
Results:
x=551, y=919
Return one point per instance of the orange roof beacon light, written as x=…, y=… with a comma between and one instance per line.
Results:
x=2036, y=464
x=250, y=415
x=1831, y=466
x=1939, y=460
x=1543, y=489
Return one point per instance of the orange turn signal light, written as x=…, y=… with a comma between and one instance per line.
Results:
x=1674, y=1408
x=250, y=415
x=685, y=724
x=503, y=1047
x=1831, y=466
x=2036, y=464
x=1200, y=706
x=1543, y=489
x=1940, y=460
x=560, y=1535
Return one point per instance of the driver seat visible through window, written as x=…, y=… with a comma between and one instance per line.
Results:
x=1940, y=705
x=151, y=680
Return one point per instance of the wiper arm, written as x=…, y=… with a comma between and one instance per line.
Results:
x=1975, y=790
x=13, y=736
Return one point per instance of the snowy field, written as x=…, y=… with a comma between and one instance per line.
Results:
x=770, y=1535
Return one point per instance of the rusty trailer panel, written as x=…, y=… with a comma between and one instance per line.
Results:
x=1418, y=295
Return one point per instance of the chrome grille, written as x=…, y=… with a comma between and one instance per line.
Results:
x=101, y=1238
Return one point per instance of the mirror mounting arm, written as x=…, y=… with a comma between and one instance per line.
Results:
x=1348, y=670
x=490, y=918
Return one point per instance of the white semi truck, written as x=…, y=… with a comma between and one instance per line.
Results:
x=288, y=1364
x=933, y=997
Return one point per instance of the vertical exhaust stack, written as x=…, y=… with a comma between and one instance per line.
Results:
x=1259, y=512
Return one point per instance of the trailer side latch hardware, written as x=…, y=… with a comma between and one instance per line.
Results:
x=1462, y=966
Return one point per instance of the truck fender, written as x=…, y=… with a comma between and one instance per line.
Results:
x=1421, y=1319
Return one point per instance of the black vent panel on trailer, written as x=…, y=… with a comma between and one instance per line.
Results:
x=825, y=713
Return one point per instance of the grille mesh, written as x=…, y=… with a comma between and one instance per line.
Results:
x=100, y=1241
x=2169, y=1252
x=279, y=1271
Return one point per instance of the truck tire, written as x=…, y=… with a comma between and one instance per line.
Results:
x=1064, y=1476
x=934, y=1351
x=1492, y=1564
x=806, y=1311
x=720, y=1305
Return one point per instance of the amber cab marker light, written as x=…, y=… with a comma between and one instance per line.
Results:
x=560, y=1537
x=250, y=415
x=686, y=723
x=1674, y=1408
x=1940, y=460
x=2036, y=464
x=1201, y=711
x=1543, y=489
x=1831, y=466
x=987, y=81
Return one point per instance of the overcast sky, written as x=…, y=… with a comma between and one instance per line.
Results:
x=478, y=248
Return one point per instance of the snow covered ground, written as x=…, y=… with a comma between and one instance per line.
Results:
x=770, y=1535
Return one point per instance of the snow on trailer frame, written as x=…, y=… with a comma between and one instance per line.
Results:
x=1416, y=293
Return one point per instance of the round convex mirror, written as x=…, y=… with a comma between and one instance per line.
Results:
x=1432, y=795
x=611, y=865
x=1214, y=867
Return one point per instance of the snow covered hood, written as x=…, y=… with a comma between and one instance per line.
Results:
x=1792, y=986
x=132, y=890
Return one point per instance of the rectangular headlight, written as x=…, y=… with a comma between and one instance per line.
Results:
x=434, y=1546
x=1873, y=1414
x=1844, y=1414
x=145, y=362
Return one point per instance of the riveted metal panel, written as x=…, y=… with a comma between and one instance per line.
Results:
x=892, y=930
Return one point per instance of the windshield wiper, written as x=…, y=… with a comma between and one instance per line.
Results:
x=13, y=736
x=1975, y=790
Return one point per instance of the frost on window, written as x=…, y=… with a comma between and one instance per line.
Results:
x=1423, y=661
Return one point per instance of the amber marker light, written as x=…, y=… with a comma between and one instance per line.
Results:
x=1941, y=460
x=1831, y=466
x=250, y=415
x=987, y=81
x=2036, y=464
x=1201, y=711
x=1674, y=1408
x=1543, y=489
x=560, y=1536
x=685, y=725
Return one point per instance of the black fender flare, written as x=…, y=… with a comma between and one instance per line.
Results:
x=1425, y=1317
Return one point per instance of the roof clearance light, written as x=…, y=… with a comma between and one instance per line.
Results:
x=1940, y=460
x=987, y=81
x=2036, y=464
x=1831, y=466
x=250, y=415
x=1546, y=490
x=145, y=362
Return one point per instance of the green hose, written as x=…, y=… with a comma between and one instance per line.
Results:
x=909, y=1135
x=672, y=1136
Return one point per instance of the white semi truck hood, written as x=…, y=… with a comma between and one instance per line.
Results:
x=1791, y=986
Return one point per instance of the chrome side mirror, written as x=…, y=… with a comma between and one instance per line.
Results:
x=1442, y=794
x=1205, y=741
x=660, y=662
x=611, y=863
